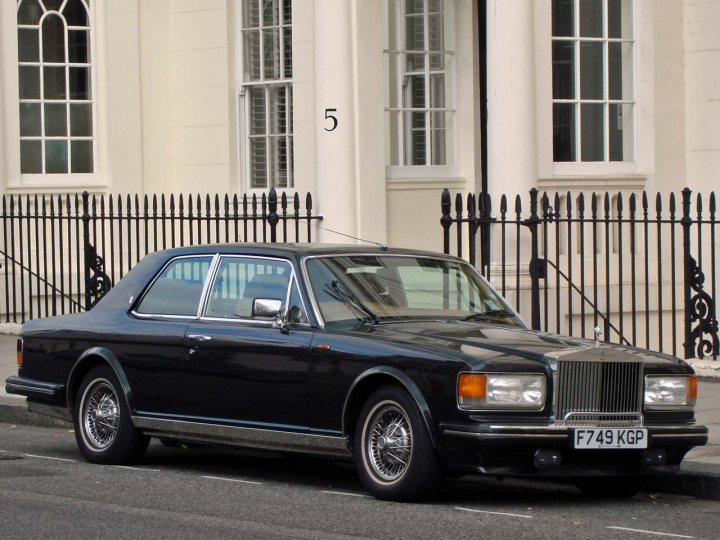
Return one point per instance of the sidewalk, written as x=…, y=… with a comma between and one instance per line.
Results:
x=700, y=474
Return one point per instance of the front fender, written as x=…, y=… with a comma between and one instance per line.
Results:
x=406, y=382
x=105, y=356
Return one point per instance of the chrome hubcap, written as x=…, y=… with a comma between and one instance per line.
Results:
x=389, y=444
x=101, y=414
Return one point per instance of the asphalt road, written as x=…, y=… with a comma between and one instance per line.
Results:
x=48, y=490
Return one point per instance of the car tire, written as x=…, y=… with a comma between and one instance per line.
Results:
x=394, y=454
x=103, y=429
x=610, y=487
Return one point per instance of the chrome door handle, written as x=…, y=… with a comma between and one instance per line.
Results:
x=198, y=338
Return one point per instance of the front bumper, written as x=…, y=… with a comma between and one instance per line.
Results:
x=513, y=450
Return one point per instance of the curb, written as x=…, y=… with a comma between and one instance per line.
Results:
x=694, y=479
x=14, y=411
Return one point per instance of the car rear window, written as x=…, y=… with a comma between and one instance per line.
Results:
x=178, y=289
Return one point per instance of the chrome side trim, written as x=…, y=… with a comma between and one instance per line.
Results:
x=243, y=436
x=14, y=388
x=475, y=435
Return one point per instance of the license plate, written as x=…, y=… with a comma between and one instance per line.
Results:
x=591, y=438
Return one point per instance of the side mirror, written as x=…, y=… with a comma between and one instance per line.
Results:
x=266, y=307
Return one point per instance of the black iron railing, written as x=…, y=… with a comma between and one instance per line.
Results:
x=644, y=272
x=61, y=253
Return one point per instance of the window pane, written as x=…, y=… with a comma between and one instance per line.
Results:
x=271, y=50
x=30, y=157
x=564, y=144
x=620, y=19
x=252, y=55
x=563, y=69
x=82, y=156
x=53, y=38
x=414, y=62
x=439, y=129
x=75, y=13
x=415, y=33
x=30, y=125
x=29, y=81
x=279, y=162
x=81, y=120
x=437, y=91
x=258, y=162
x=52, y=5
x=287, y=12
x=415, y=145
x=592, y=128
x=435, y=6
x=80, y=83
x=29, y=12
x=78, y=46
x=436, y=37
x=271, y=12
x=28, y=45
x=178, y=289
x=591, y=70
x=591, y=18
x=563, y=20
x=55, y=120
x=251, y=13
x=257, y=111
x=287, y=48
x=278, y=110
x=620, y=74
x=54, y=82
x=56, y=157
x=621, y=132
x=416, y=89
x=414, y=6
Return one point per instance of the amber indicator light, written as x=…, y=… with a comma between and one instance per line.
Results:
x=471, y=385
x=19, y=352
x=692, y=389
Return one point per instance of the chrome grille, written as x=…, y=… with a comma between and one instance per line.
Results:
x=598, y=393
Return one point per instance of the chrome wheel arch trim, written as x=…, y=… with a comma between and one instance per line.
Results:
x=107, y=358
x=267, y=439
x=408, y=385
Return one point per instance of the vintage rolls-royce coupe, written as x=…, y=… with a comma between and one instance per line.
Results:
x=408, y=362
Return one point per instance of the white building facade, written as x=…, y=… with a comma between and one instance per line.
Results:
x=373, y=106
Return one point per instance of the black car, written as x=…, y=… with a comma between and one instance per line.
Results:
x=407, y=361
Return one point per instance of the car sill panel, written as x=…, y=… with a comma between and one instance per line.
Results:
x=243, y=436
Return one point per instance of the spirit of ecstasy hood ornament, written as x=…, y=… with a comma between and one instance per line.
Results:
x=597, y=332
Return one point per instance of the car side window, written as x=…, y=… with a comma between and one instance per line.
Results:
x=241, y=280
x=177, y=290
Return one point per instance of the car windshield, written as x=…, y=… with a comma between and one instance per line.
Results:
x=377, y=288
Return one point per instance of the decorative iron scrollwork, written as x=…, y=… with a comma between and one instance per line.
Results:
x=99, y=283
x=701, y=310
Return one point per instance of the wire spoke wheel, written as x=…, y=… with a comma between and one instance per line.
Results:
x=101, y=414
x=389, y=443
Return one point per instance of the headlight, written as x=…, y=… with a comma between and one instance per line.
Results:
x=501, y=391
x=667, y=391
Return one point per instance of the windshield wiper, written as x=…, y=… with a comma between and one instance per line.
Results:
x=488, y=314
x=339, y=291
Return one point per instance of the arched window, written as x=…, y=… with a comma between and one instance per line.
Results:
x=55, y=87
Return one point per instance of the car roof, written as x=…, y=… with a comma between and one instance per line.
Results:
x=295, y=249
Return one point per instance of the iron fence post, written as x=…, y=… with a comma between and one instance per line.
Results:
x=272, y=217
x=686, y=222
x=87, y=255
x=446, y=219
x=532, y=224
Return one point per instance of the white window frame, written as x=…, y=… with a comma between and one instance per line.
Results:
x=605, y=101
x=397, y=37
x=632, y=174
x=244, y=115
x=10, y=131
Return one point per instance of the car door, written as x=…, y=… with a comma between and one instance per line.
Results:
x=243, y=368
x=152, y=348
